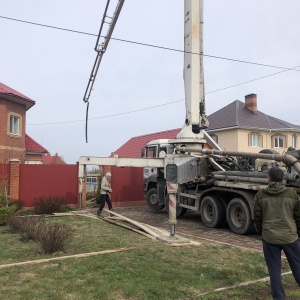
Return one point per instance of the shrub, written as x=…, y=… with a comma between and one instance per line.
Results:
x=49, y=205
x=14, y=223
x=26, y=225
x=54, y=237
x=5, y=212
x=18, y=203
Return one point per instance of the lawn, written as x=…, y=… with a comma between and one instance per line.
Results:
x=152, y=270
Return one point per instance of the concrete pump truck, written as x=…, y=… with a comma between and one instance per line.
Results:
x=181, y=175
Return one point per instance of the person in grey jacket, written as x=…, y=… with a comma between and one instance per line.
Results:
x=277, y=219
x=104, y=193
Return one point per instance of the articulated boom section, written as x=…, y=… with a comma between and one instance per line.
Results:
x=195, y=121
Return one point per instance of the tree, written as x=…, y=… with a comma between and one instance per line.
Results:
x=98, y=193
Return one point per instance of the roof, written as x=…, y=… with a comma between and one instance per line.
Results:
x=33, y=147
x=236, y=114
x=132, y=148
x=8, y=93
x=52, y=160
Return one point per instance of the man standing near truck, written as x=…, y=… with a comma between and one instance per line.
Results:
x=105, y=193
x=277, y=219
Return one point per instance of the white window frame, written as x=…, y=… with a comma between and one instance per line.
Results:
x=277, y=140
x=254, y=140
x=294, y=141
x=14, y=125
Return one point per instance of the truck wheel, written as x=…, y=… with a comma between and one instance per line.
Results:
x=213, y=212
x=239, y=217
x=180, y=211
x=152, y=200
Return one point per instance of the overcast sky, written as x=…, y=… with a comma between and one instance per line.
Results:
x=52, y=66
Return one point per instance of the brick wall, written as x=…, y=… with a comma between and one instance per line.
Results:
x=11, y=147
x=14, y=179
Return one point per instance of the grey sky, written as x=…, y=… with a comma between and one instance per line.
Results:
x=52, y=67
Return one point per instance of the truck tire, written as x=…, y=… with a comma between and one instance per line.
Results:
x=239, y=217
x=213, y=212
x=180, y=211
x=152, y=200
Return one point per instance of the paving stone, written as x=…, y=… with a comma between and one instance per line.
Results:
x=189, y=224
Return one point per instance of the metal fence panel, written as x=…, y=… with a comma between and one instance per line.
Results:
x=48, y=181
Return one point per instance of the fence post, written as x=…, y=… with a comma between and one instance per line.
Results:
x=14, y=178
x=83, y=196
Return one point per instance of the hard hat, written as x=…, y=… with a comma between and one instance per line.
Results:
x=108, y=174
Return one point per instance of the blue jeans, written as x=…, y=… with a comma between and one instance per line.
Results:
x=272, y=255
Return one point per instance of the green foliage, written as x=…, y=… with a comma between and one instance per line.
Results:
x=18, y=203
x=6, y=212
x=3, y=194
x=49, y=205
x=98, y=193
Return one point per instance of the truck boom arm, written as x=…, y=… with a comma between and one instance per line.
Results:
x=196, y=119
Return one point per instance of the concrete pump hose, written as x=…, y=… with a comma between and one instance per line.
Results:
x=291, y=161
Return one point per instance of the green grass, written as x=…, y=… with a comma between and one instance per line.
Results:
x=151, y=271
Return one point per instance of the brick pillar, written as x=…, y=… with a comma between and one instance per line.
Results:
x=14, y=179
x=106, y=169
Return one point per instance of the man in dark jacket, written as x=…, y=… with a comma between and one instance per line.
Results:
x=277, y=219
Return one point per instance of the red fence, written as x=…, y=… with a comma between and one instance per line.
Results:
x=48, y=181
x=127, y=185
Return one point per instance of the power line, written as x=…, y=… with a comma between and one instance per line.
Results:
x=109, y=116
x=149, y=45
x=153, y=46
x=168, y=103
x=251, y=80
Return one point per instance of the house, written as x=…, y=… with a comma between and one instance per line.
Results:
x=242, y=127
x=236, y=127
x=14, y=142
x=52, y=160
x=34, y=152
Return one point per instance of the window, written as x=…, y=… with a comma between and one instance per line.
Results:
x=214, y=137
x=278, y=141
x=294, y=141
x=255, y=139
x=91, y=179
x=14, y=125
x=151, y=152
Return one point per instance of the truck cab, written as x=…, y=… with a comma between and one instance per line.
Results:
x=154, y=181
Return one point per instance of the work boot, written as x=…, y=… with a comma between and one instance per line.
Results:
x=99, y=213
x=111, y=214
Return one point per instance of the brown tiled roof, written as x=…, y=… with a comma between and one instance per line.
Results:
x=13, y=95
x=33, y=147
x=236, y=115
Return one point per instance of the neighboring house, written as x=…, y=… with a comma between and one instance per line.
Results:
x=14, y=143
x=53, y=160
x=241, y=127
x=92, y=182
x=34, y=151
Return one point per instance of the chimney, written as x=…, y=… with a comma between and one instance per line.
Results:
x=251, y=103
